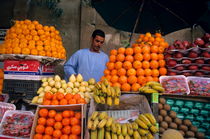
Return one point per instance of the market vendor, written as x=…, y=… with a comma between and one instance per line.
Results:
x=89, y=62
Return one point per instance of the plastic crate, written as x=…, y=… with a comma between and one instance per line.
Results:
x=23, y=89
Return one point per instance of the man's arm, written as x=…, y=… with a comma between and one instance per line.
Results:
x=70, y=66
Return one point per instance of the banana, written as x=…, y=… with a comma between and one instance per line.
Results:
x=109, y=93
x=114, y=128
x=102, y=123
x=151, y=118
x=153, y=129
x=95, y=91
x=108, y=129
x=143, y=137
x=150, y=136
x=101, y=133
x=103, y=115
x=158, y=88
x=103, y=88
x=116, y=101
x=141, y=124
x=117, y=91
x=95, y=124
x=90, y=123
x=97, y=99
x=118, y=126
x=124, y=130
x=142, y=89
x=127, y=137
x=94, y=115
x=149, y=91
x=120, y=136
x=112, y=91
x=151, y=83
x=109, y=101
x=98, y=85
x=130, y=129
x=103, y=101
x=93, y=134
x=145, y=120
x=135, y=126
x=109, y=122
x=108, y=135
x=136, y=135
x=106, y=82
x=143, y=132
x=114, y=136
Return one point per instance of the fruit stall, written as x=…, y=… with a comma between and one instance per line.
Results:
x=147, y=88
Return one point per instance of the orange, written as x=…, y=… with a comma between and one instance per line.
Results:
x=160, y=56
x=37, y=136
x=129, y=58
x=110, y=65
x=125, y=87
x=145, y=39
x=66, y=130
x=161, y=50
x=132, y=79
x=106, y=72
x=162, y=71
x=57, y=133
x=120, y=57
x=155, y=72
x=66, y=114
x=114, y=72
x=65, y=121
x=77, y=96
x=58, y=117
x=129, y=51
x=149, y=78
x=78, y=115
x=118, y=65
x=68, y=96
x=148, y=34
x=154, y=56
x=154, y=49
x=122, y=79
x=113, y=52
x=40, y=129
x=127, y=65
x=148, y=72
x=145, y=49
x=63, y=102
x=116, y=84
x=121, y=72
x=72, y=136
x=156, y=79
x=58, y=125
x=59, y=95
x=74, y=121
x=41, y=121
x=151, y=39
x=138, y=57
x=114, y=79
x=162, y=63
x=49, y=130
x=112, y=58
x=72, y=101
x=137, y=64
x=137, y=50
x=48, y=95
x=121, y=50
x=146, y=57
x=158, y=35
x=50, y=122
x=76, y=130
x=131, y=72
x=54, y=102
x=72, y=113
x=145, y=64
x=43, y=112
x=140, y=72
x=154, y=64
x=135, y=87
x=47, y=137
x=141, y=80
x=108, y=77
x=64, y=137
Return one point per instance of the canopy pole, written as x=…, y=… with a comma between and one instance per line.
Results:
x=137, y=20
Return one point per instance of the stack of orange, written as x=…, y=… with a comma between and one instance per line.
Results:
x=53, y=124
x=131, y=68
x=31, y=38
x=1, y=79
x=61, y=99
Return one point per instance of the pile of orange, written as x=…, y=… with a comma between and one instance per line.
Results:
x=31, y=38
x=61, y=125
x=131, y=68
x=61, y=99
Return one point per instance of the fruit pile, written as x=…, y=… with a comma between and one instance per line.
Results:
x=102, y=126
x=31, y=38
x=76, y=85
x=105, y=94
x=131, y=68
x=189, y=59
x=17, y=124
x=152, y=87
x=1, y=79
x=168, y=119
x=53, y=124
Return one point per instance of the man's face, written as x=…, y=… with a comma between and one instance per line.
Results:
x=97, y=42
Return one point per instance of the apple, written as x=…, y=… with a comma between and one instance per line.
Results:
x=193, y=54
x=171, y=63
x=199, y=42
x=178, y=55
x=187, y=74
x=206, y=68
x=199, y=73
x=199, y=61
x=171, y=47
x=207, y=45
x=206, y=37
x=167, y=56
x=192, y=45
x=206, y=54
x=193, y=67
x=171, y=73
x=186, y=44
x=186, y=61
x=180, y=68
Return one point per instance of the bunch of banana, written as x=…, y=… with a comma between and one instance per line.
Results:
x=105, y=94
x=152, y=87
x=102, y=126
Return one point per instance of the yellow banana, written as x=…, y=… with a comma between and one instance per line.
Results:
x=97, y=99
x=114, y=136
x=109, y=122
x=90, y=123
x=108, y=135
x=94, y=115
x=117, y=91
x=120, y=136
x=124, y=130
x=158, y=88
x=151, y=118
x=136, y=135
x=145, y=120
x=95, y=124
x=114, y=128
x=109, y=93
x=108, y=129
x=106, y=82
x=113, y=91
x=109, y=101
x=98, y=85
x=118, y=126
x=135, y=126
x=127, y=137
x=130, y=129
x=151, y=83
x=141, y=124
x=102, y=123
x=103, y=88
x=101, y=133
x=103, y=115
x=154, y=129
x=103, y=101
x=116, y=101
x=93, y=134
x=150, y=136
x=148, y=91
x=143, y=132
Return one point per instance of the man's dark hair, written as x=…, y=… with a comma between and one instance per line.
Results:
x=99, y=33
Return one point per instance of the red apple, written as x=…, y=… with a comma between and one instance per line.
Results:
x=199, y=42
x=167, y=56
x=171, y=63
x=206, y=37
x=187, y=74
x=193, y=67
x=193, y=54
x=193, y=45
x=199, y=61
x=180, y=68
x=206, y=54
x=171, y=47
x=186, y=61
x=206, y=68
x=171, y=73
x=199, y=73
x=178, y=55
x=186, y=44
x=207, y=45
x=178, y=45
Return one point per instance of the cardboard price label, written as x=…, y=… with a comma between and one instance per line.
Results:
x=155, y=98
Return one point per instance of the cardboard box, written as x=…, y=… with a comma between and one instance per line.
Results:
x=59, y=108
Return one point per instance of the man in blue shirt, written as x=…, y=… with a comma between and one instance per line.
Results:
x=89, y=62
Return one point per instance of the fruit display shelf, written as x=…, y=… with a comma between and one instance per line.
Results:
x=42, y=59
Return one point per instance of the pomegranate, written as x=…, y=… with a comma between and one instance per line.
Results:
x=206, y=68
x=193, y=54
x=199, y=73
x=180, y=68
x=178, y=55
x=171, y=63
x=199, y=42
x=193, y=67
x=199, y=61
x=186, y=61
x=206, y=54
